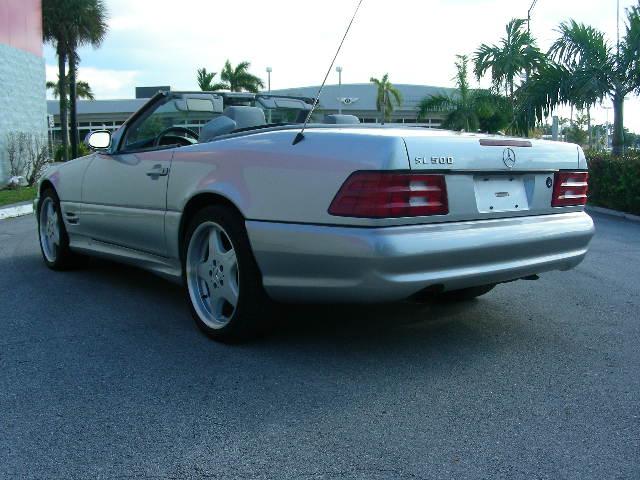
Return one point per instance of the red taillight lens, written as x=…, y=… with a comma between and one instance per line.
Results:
x=386, y=194
x=570, y=188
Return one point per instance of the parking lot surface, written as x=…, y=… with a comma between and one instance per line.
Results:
x=104, y=375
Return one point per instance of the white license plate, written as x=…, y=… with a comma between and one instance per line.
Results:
x=501, y=193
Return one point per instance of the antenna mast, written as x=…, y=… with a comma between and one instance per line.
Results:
x=300, y=135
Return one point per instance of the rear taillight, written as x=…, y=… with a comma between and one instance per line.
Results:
x=386, y=194
x=569, y=189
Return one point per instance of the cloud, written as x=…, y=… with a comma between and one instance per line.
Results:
x=124, y=22
x=415, y=41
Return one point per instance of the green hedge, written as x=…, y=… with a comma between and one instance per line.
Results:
x=614, y=182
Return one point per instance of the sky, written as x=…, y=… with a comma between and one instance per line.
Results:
x=160, y=42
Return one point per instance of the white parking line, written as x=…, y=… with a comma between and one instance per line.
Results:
x=15, y=211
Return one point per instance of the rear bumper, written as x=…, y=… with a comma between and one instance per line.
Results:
x=328, y=263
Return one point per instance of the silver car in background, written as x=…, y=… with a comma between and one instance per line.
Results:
x=210, y=189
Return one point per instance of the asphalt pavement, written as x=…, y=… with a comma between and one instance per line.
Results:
x=104, y=375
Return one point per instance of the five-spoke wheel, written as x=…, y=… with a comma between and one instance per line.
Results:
x=54, y=241
x=212, y=274
x=222, y=279
x=49, y=229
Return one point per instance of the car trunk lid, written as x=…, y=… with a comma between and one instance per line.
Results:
x=488, y=154
x=489, y=177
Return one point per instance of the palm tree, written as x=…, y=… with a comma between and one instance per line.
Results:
x=238, y=78
x=83, y=90
x=600, y=71
x=585, y=80
x=385, y=96
x=469, y=109
x=546, y=88
x=205, y=81
x=87, y=26
x=589, y=69
x=516, y=54
x=55, y=32
x=68, y=25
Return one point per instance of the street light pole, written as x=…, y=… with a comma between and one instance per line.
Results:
x=533, y=4
x=618, y=31
x=339, y=70
x=269, y=70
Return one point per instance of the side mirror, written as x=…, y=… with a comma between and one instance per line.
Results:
x=98, y=140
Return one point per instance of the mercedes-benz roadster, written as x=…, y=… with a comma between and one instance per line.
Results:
x=220, y=192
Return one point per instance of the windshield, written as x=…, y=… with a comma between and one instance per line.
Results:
x=180, y=119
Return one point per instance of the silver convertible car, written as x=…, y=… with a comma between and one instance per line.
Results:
x=219, y=191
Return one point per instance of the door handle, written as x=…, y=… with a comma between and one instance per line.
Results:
x=158, y=171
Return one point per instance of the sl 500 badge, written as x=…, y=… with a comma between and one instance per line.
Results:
x=434, y=161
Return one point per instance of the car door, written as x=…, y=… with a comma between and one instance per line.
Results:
x=124, y=199
x=124, y=191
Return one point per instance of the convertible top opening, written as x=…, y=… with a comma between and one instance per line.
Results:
x=187, y=118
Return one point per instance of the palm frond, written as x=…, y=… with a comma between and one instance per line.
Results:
x=629, y=61
x=238, y=78
x=580, y=44
x=83, y=89
x=435, y=104
x=516, y=53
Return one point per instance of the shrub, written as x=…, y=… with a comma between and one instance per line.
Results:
x=614, y=182
x=58, y=151
x=27, y=155
x=16, y=153
x=83, y=150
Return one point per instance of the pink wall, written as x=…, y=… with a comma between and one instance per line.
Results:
x=21, y=24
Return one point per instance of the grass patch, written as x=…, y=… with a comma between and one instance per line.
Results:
x=16, y=195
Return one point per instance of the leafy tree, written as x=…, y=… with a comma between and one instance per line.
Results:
x=83, y=90
x=589, y=69
x=578, y=132
x=238, y=78
x=205, y=81
x=468, y=109
x=515, y=55
x=387, y=93
x=631, y=139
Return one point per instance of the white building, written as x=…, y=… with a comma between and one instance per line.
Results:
x=357, y=99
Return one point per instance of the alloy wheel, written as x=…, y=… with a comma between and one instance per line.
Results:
x=212, y=273
x=49, y=229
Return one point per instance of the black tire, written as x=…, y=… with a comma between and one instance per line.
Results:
x=464, y=294
x=251, y=313
x=63, y=258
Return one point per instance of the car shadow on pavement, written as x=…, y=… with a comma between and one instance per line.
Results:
x=295, y=320
x=141, y=301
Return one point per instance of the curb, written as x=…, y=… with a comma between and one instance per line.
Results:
x=613, y=213
x=16, y=210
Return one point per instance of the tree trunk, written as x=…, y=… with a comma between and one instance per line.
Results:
x=73, y=117
x=588, y=127
x=384, y=107
x=618, y=124
x=512, y=128
x=571, y=117
x=62, y=90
